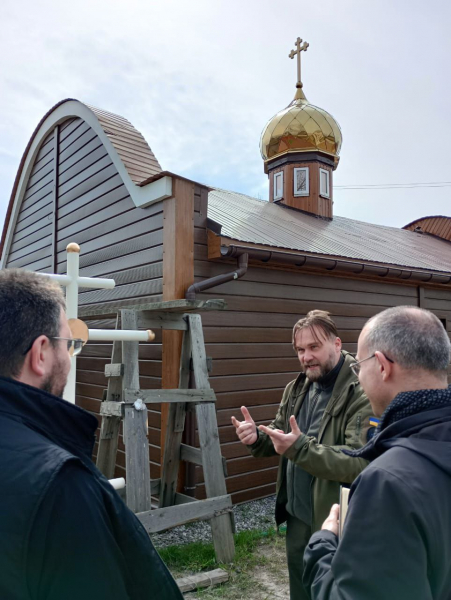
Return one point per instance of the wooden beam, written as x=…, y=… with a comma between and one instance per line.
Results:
x=183, y=499
x=215, y=485
x=160, y=519
x=175, y=306
x=137, y=466
x=112, y=409
x=157, y=396
x=178, y=275
x=174, y=432
x=194, y=456
x=183, y=305
x=154, y=490
x=202, y=580
x=114, y=370
x=111, y=421
x=191, y=454
x=150, y=320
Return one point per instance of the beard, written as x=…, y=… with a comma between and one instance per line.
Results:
x=315, y=371
x=56, y=381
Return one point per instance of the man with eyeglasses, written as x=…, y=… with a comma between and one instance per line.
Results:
x=64, y=532
x=323, y=410
x=396, y=541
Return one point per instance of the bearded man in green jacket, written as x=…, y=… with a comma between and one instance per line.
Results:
x=323, y=411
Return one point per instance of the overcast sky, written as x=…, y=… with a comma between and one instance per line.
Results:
x=201, y=78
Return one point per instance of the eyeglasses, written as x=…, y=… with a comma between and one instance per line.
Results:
x=74, y=345
x=355, y=368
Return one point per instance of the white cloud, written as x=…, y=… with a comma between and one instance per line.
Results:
x=200, y=79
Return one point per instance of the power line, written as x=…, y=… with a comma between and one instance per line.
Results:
x=393, y=186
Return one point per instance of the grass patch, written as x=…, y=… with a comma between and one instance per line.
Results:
x=200, y=556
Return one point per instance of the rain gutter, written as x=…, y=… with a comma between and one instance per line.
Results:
x=242, y=263
x=335, y=265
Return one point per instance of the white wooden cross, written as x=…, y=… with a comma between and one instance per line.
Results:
x=72, y=282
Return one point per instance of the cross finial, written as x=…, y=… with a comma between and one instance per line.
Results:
x=299, y=48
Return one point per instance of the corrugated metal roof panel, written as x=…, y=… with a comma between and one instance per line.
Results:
x=259, y=222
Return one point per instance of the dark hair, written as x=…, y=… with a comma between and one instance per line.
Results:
x=30, y=306
x=413, y=337
x=316, y=319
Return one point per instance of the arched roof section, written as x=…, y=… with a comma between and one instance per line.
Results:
x=438, y=225
x=127, y=148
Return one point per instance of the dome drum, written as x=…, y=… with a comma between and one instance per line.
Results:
x=296, y=156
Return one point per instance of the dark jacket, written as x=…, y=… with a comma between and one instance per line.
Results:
x=344, y=425
x=64, y=531
x=397, y=536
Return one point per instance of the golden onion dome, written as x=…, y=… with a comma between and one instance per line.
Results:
x=301, y=127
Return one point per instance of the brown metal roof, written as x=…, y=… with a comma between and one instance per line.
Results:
x=255, y=221
x=134, y=151
x=435, y=225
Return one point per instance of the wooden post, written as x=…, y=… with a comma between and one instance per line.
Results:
x=109, y=430
x=178, y=275
x=221, y=526
x=174, y=431
x=135, y=427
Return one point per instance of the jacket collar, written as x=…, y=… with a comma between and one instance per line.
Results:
x=429, y=411
x=67, y=425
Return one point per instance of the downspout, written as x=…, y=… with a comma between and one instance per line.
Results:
x=194, y=289
x=190, y=428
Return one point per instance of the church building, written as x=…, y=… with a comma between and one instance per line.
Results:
x=88, y=176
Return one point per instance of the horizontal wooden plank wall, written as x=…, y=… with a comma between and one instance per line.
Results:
x=31, y=246
x=250, y=344
x=95, y=211
x=117, y=240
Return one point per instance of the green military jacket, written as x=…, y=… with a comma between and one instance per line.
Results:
x=344, y=425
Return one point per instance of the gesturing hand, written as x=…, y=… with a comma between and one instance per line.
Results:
x=246, y=430
x=282, y=441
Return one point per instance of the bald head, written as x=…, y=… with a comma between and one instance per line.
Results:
x=413, y=337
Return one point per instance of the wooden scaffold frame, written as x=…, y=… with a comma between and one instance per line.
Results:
x=126, y=402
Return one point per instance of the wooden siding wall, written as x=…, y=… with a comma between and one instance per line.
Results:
x=31, y=246
x=250, y=344
x=119, y=241
x=438, y=226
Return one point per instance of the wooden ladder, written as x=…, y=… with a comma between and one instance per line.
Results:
x=126, y=402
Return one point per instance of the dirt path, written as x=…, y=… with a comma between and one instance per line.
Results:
x=267, y=580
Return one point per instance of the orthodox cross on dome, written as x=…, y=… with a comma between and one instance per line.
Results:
x=299, y=48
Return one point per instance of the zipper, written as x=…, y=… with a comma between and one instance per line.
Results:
x=358, y=426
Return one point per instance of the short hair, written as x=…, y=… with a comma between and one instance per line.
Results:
x=316, y=319
x=413, y=337
x=30, y=306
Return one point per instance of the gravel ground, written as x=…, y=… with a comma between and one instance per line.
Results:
x=258, y=514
